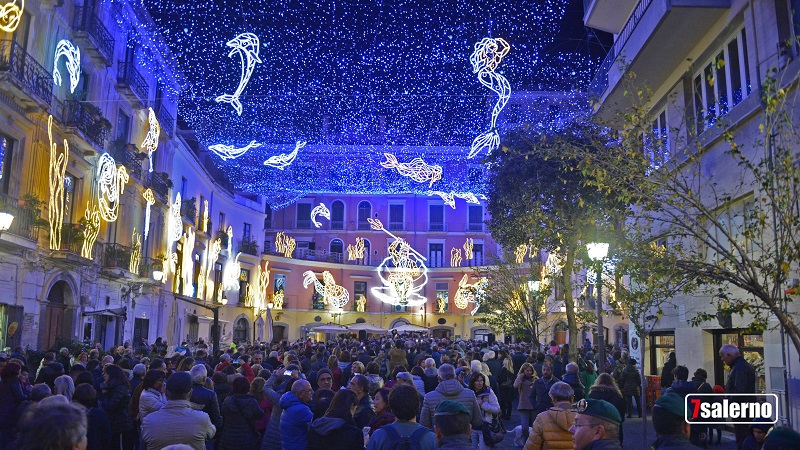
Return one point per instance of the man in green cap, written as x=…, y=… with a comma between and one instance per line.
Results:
x=452, y=426
x=596, y=426
x=670, y=423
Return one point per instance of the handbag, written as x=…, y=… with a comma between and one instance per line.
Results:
x=493, y=432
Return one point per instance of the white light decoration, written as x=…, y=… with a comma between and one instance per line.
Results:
x=332, y=294
x=187, y=263
x=213, y=254
x=204, y=220
x=175, y=230
x=441, y=302
x=136, y=252
x=403, y=273
x=111, y=181
x=247, y=46
x=58, y=167
x=284, y=244
x=355, y=252
x=230, y=277
x=92, y=216
x=520, y=252
x=361, y=303
x=72, y=54
x=227, y=152
x=320, y=210
x=468, y=244
x=150, y=200
x=449, y=198
x=277, y=300
x=469, y=293
x=455, y=257
x=150, y=142
x=418, y=170
x=284, y=159
x=10, y=15
x=488, y=54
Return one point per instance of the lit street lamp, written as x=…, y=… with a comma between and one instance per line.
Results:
x=533, y=289
x=5, y=221
x=597, y=253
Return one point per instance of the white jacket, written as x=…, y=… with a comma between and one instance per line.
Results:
x=150, y=401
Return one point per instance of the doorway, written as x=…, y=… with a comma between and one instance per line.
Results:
x=58, y=316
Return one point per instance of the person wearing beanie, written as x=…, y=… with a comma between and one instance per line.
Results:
x=186, y=425
x=596, y=426
x=324, y=379
x=669, y=421
x=452, y=426
x=758, y=433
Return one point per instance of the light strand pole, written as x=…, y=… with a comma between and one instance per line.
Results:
x=597, y=253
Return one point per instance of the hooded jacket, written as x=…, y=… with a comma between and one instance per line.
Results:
x=294, y=421
x=333, y=433
x=551, y=429
x=573, y=379
x=631, y=381
x=682, y=387
x=450, y=390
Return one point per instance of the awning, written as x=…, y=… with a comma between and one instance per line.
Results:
x=115, y=312
x=408, y=328
x=369, y=328
x=329, y=328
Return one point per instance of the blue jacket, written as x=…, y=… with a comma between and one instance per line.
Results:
x=206, y=400
x=294, y=422
x=540, y=395
x=682, y=388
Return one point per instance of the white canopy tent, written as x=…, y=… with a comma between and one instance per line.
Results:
x=409, y=328
x=369, y=328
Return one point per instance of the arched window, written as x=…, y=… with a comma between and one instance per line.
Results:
x=364, y=213
x=337, y=215
x=337, y=246
x=241, y=331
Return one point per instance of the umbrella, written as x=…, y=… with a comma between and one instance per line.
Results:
x=369, y=328
x=409, y=328
x=329, y=328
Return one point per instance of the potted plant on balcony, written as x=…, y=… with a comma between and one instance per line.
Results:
x=31, y=207
x=189, y=208
x=72, y=235
x=117, y=256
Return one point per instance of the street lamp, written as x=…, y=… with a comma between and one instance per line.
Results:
x=158, y=275
x=597, y=253
x=533, y=289
x=5, y=221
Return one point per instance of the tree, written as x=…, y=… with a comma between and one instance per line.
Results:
x=539, y=197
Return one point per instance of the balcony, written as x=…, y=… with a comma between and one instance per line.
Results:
x=248, y=246
x=92, y=36
x=72, y=238
x=605, y=15
x=189, y=209
x=166, y=121
x=363, y=225
x=303, y=224
x=132, y=84
x=159, y=185
x=116, y=256
x=23, y=78
x=86, y=118
x=646, y=44
x=474, y=227
x=25, y=223
x=437, y=227
x=396, y=226
x=128, y=156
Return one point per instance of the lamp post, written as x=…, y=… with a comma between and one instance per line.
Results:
x=533, y=288
x=597, y=253
x=5, y=221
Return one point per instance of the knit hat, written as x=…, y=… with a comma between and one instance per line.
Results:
x=179, y=383
x=762, y=425
x=450, y=408
x=601, y=409
x=781, y=438
x=672, y=403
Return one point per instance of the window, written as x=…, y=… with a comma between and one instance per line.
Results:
x=435, y=255
x=241, y=331
x=124, y=127
x=364, y=213
x=436, y=218
x=279, y=287
x=734, y=222
x=396, y=219
x=722, y=83
x=201, y=217
x=442, y=296
x=660, y=346
x=477, y=256
x=69, y=197
x=359, y=293
x=475, y=218
x=6, y=157
x=337, y=246
x=304, y=216
x=246, y=232
x=267, y=242
x=184, y=183
x=218, y=281
x=222, y=225
x=244, y=282
x=367, y=254
x=751, y=346
x=337, y=215
x=657, y=151
x=268, y=218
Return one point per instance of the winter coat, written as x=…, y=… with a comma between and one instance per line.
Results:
x=223, y=390
x=742, y=378
x=115, y=402
x=239, y=416
x=294, y=422
x=98, y=430
x=381, y=420
x=151, y=400
x=540, y=396
x=450, y=390
x=177, y=423
x=588, y=379
x=265, y=406
x=272, y=437
x=429, y=382
x=456, y=442
x=365, y=412
x=419, y=383
x=578, y=388
x=206, y=400
x=666, y=373
x=672, y=442
x=397, y=357
x=609, y=395
x=487, y=400
x=525, y=388
x=495, y=366
x=631, y=381
x=333, y=433
x=11, y=396
x=551, y=429
x=682, y=388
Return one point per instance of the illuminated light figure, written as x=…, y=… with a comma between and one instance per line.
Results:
x=441, y=302
x=205, y=216
x=227, y=152
x=73, y=54
x=468, y=244
x=136, y=252
x=355, y=252
x=487, y=56
x=277, y=300
x=150, y=142
x=10, y=15
x=520, y=252
x=449, y=198
x=230, y=277
x=469, y=293
x=333, y=294
x=247, y=46
x=455, y=257
x=213, y=254
x=92, y=217
x=418, y=170
x=111, y=180
x=284, y=159
x=361, y=304
x=175, y=229
x=151, y=200
x=284, y=244
x=403, y=273
x=320, y=210
x=58, y=167
x=187, y=263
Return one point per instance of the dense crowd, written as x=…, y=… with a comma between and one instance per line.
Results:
x=393, y=392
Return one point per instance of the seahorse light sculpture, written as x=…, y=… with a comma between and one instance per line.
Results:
x=361, y=303
x=92, y=216
x=10, y=15
x=455, y=257
x=284, y=159
x=468, y=245
x=204, y=220
x=277, y=300
x=150, y=142
x=488, y=54
x=403, y=273
x=136, y=252
x=333, y=294
x=441, y=302
x=58, y=168
x=111, y=181
x=72, y=54
x=227, y=152
x=247, y=46
x=469, y=293
x=150, y=200
x=320, y=210
x=417, y=169
x=355, y=252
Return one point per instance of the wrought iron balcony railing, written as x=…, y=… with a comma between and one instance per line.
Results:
x=116, y=256
x=23, y=224
x=27, y=73
x=130, y=158
x=248, y=246
x=95, y=128
x=87, y=22
x=166, y=121
x=159, y=186
x=129, y=77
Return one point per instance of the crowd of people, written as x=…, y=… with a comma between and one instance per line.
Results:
x=379, y=394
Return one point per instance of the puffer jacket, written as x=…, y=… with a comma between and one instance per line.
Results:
x=365, y=412
x=206, y=400
x=240, y=414
x=450, y=390
x=294, y=422
x=397, y=357
x=574, y=381
x=115, y=402
x=272, y=436
x=631, y=381
x=150, y=401
x=333, y=433
x=551, y=429
x=487, y=400
x=525, y=388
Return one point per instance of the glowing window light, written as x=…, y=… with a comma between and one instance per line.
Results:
x=284, y=159
x=332, y=294
x=520, y=253
x=10, y=15
x=403, y=273
x=136, y=252
x=150, y=142
x=227, y=152
x=468, y=244
x=72, y=53
x=246, y=45
x=320, y=210
x=175, y=229
x=418, y=170
x=58, y=167
x=455, y=257
x=187, y=263
x=92, y=217
x=150, y=200
x=111, y=181
x=355, y=252
x=487, y=56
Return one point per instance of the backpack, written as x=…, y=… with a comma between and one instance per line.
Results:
x=397, y=442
